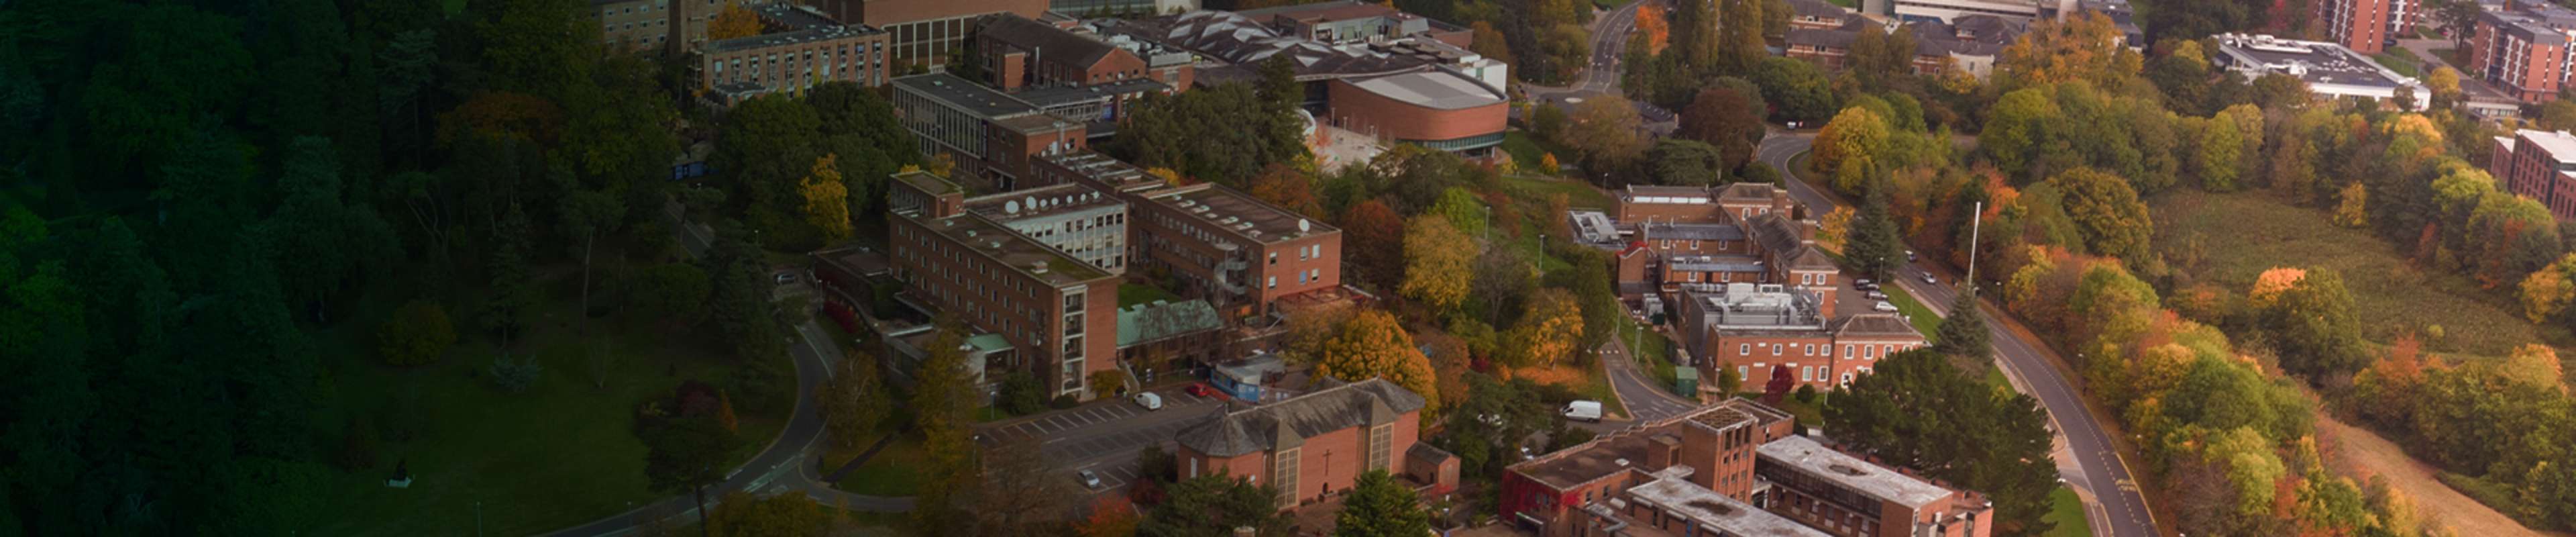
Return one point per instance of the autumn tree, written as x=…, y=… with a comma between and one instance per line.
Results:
x=1650, y=23
x=2082, y=48
x=827, y=200
x=1853, y=138
x=1438, y=263
x=1111, y=516
x=1915, y=410
x=854, y=400
x=2534, y=364
x=1374, y=344
x=1006, y=501
x=1551, y=326
x=1607, y=131
x=2547, y=291
x=2444, y=82
x=1379, y=506
x=2114, y=223
x=1284, y=186
x=1373, y=237
x=1463, y=211
x=417, y=333
x=2313, y=325
x=735, y=21
x=1215, y=504
x=1726, y=114
x=943, y=403
x=2353, y=206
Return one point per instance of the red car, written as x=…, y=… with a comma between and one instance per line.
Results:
x=1200, y=389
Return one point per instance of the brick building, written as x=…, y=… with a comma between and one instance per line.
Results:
x=2522, y=49
x=1752, y=329
x=1055, y=310
x=2540, y=165
x=1316, y=445
x=1739, y=233
x=925, y=32
x=2368, y=26
x=803, y=49
x=638, y=24
x=1967, y=43
x=1729, y=469
x=1018, y=52
x=1218, y=244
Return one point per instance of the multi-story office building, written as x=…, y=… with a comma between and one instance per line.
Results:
x=995, y=137
x=806, y=50
x=2540, y=165
x=1070, y=218
x=2522, y=49
x=1733, y=468
x=651, y=23
x=926, y=32
x=1056, y=311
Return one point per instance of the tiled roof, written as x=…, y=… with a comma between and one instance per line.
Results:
x=1288, y=423
x=1048, y=40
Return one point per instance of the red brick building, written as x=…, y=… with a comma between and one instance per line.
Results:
x=1241, y=254
x=1750, y=330
x=803, y=49
x=2367, y=26
x=1019, y=52
x=1428, y=108
x=925, y=32
x=1057, y=311
x=2540, y=165
x=1729, y=469
x=1316, y=445
x=2522, y=49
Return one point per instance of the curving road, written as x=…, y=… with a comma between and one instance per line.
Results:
x=2088, y=458
x=1609, y=41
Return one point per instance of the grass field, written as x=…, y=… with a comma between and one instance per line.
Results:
x=1527, y=150
x=896, y=471
x=2067, y=512
x=2241, y=235
x=1915, y=313
x=558, y=454
x=1578, y=194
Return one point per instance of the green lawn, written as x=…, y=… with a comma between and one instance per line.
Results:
x=558, y=454
x=1915, y=313
x=896, y=471
x=2402, y=61
x=1130, y=294
x=1527, y=150
x=1652, y=346
x=2067, y=512
x=2241, y=235
x=1578, y=194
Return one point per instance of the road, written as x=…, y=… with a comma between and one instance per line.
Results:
x=1601, y=76
x=1645, y=398
x=2087, y=457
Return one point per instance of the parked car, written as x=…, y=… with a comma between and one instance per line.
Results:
x=1583, y=411
x=1884, y=306
x=1089, y=480
x=1875, y=295
x=1864, y=282
x=1200, y=389
x=1150, y=401
x=785, y=278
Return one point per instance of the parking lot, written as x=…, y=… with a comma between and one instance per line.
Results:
x=1104, y=436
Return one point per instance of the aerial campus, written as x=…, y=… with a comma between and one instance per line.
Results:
x=1270, y=268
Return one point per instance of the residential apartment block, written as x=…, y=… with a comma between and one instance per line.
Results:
x=2368, y=26
x=1057, y=312
x=804, y=49
x=1733, y=468
x=2522, y=49
x=1316, y=445
x=2540, y=165
x=651, y=23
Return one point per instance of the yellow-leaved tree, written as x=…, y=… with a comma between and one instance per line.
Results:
x=1835, y=227
x=2270, y=285
x=1551, y=327
x=735, y=21
x=2545, y=293
x=827, y=199
x=1373, y=344
x=2535, y=365
x=1438, y=262
x=2353, y=211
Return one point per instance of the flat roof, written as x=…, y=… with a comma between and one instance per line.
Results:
x=1716, y=511
x=1038, y=202
x=926, y=182
x=1851, y=473
x=1003, y=245
x=1626, y=449
x=1238, y=212
x=1036, y=123
x=1055, y=96
x=2316, y=62
x=2559, y=144
x=790, y=37
x=1117, y=174
x=797, y=17
x=965, y=95
x=1435, y=89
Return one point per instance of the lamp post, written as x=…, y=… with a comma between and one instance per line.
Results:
x=1976, y=221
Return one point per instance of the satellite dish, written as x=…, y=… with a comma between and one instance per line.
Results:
x=1012, y=207
x=1304, y=226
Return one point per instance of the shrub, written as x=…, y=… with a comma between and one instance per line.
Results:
x=1021, y=394
x=515, y=376
x=417, y=333
x=1806, y=394
x=1062, y=402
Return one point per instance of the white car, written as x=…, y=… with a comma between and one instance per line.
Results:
x=1884, y=306
x=1150, y=401
x=1089, y=480
x=1875, y=295
x=1927, y=278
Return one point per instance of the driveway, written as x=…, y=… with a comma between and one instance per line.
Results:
x=2087, y=457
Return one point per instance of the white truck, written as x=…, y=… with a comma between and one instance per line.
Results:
x=1583, y=411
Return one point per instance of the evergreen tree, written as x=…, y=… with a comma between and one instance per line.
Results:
x=1917, y=411
x=1875, y=246
x=1963, y=333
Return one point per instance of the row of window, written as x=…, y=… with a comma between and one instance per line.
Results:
x=1867, y=352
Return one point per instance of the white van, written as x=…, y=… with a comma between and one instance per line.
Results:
x=1583, y=411
x=1149, y=400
